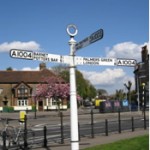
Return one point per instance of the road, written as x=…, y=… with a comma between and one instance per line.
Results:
x=54, y=134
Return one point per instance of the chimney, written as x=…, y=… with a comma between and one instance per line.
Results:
x=144, y=53
x=42, y=66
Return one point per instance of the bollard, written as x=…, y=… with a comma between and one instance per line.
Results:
x=7, y=122
x=25, y=133
x=79, y=131
x=62, y=128
x=92, y=124
x=4, y=140
x=119, y=122
x=106, y=127
x=144, y=120
x=45, y=136
x=132, y=120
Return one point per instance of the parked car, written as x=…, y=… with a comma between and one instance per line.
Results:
x=87, y=103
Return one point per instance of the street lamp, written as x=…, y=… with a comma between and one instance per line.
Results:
x=143, y=104
x=143, y=96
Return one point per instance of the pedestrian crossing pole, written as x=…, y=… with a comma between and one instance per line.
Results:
x=72, y=31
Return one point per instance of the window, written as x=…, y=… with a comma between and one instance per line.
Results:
x=22, y=102
x=22, y=91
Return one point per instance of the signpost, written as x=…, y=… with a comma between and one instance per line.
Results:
x=126, y=62
x=91, y=39
x=72, y=60
x=95, y=61
x=30, y=55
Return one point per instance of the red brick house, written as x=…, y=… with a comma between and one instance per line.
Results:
x=17, y=89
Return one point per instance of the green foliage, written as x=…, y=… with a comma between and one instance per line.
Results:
x=101, y=92
x=120, y=95
x=33, y=108
x=8, y=109
x=137, y=143
x=9, y=69
x=84, y=88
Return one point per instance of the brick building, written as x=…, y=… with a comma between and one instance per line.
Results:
x=17, y=90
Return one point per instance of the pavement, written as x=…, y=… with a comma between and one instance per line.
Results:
x=98, y=140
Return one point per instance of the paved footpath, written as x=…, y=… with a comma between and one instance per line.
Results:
x=98, y=140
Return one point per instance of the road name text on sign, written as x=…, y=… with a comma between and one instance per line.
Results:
x=30, y=55
x=91, y=39
x=95, y=61
x=46, y=57
x=126, y=62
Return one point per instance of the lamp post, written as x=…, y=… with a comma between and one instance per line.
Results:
x=72, y=31
x=143, y=97
x=143, y=104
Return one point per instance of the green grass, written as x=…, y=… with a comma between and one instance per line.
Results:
x=138, y=143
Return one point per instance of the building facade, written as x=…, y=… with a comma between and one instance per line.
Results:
x=17, y=90
x=142, y=77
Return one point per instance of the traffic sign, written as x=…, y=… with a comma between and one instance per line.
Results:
x=23, y=54
x=126, y=62
x=95, y=61
x=91, y=39
x=30, y=55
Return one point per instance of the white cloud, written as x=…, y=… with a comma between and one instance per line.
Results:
x=30, y=69
x=128, y=50
x=106, y=77
x=31, y=45
x=109, y=79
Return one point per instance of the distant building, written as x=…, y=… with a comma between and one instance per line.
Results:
x=17, y=90
x=142, y=76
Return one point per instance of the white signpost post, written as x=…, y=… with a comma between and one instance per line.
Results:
x=72, y=60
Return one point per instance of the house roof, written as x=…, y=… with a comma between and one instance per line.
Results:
x=24, y=76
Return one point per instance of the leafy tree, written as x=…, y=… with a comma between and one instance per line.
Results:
x=84, y=88
x=53, y=87
x=120, y=95
x=101, y=92
x=9, y=69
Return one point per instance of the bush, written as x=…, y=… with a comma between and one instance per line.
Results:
x=8, y=109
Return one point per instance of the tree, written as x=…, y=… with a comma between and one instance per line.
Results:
x=84, y=88
x=9, y=69
x=120, y=95
x=101, y=92
x=129, y=90
x=53, y=87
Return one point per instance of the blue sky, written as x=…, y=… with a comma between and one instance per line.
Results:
x=40, y=25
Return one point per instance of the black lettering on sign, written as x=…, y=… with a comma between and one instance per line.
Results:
x=54, y=59
x=21, y=54
x=13, y=54
x=126, y=62
x=96, y=36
